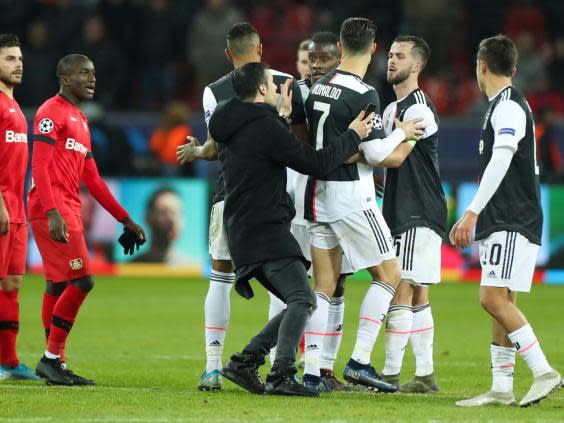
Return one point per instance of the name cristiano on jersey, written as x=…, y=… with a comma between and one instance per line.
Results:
x=72, y=144
x=12, y=136
x=326, y=91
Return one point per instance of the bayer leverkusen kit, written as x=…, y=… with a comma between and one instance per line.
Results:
x=62, y=157
x=13, y=159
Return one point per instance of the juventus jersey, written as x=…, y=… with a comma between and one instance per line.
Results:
x=413, y=193
x=222, y=90
x=333, y=103
x=516, y=204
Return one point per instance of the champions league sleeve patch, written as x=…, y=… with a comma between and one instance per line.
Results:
x=377, y=122
x=45, y=125
x=509, y=131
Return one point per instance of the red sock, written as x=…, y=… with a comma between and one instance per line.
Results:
x=302, y=345
x=9, y=326
x=64, y=315
x=49, y=302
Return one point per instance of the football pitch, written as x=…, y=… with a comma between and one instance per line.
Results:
x=142, y=340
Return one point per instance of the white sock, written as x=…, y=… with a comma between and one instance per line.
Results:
x=503, y=365
x=529, y=349
x=372, y=313
x=398, y=329
x=315, y=331
x=216, y=310
x=332, y=341
x=276, y=306
x=422, y=334
x=51, y=356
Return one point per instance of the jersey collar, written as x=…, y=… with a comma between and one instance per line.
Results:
x=498, y=93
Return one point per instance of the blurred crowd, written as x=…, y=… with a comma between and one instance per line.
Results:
x=157, y=55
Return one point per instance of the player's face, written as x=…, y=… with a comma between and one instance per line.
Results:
x=11, y=66
x=400, y=63
x=82, y=82
x=302, y=64
x=322, y=58
x=270, y=95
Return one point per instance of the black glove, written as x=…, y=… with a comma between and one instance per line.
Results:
x=128, y=240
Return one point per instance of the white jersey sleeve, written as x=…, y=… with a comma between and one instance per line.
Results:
x=422, y=111
x=375, y=151
x=509, y=123
x=209, y=102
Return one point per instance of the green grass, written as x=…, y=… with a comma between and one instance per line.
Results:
x=142, y=340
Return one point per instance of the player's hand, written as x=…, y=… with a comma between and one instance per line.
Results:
x=362, y=125
x=4, y=221
x=462, y=233
x=135, y=228
x=413, y=129
x=57, y=226
x=187, y=153
x=133, y=236
x=285, y=98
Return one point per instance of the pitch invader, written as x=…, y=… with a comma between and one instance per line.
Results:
x=322, y=56
x=506, y=212
x=62, y=158
x=415, y=210
x=243, y=46
x=13, y=225
x=341, y=207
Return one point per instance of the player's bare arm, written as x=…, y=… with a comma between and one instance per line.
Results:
x=4, y=217
x=57, y=226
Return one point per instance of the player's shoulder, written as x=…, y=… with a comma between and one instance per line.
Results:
x=221, y=83
x=350, y=82
x=280, y=76
x=510, y=99
x=52, y=105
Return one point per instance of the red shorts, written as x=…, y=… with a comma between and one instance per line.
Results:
x=62, y=262
x=13, y=250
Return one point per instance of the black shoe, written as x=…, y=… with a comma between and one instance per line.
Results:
x=79, y=380
x=284, y=383
x=51, y=369
x=365, y=374
x=242, y=369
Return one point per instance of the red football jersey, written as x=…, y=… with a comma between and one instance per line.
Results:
x=60, y=123
x=13, y=157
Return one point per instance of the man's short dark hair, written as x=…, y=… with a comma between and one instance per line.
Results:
x=68, y=64
x=357, y=35
x=499, y=53
x=242, y=38
x=9, y=40
x=419, y=47
x=324, y=37
x=247, y=79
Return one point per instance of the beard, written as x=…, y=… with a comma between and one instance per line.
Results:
x=399, y=77
x=10, y=79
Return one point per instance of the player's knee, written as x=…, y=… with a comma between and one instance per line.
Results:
x=490, y=303
x=340, y=289
x=52, y=288
x=86, y=284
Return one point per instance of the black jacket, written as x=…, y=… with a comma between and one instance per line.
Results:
x=255, y=146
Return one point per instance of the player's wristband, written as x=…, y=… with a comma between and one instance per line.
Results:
x=412, y=143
